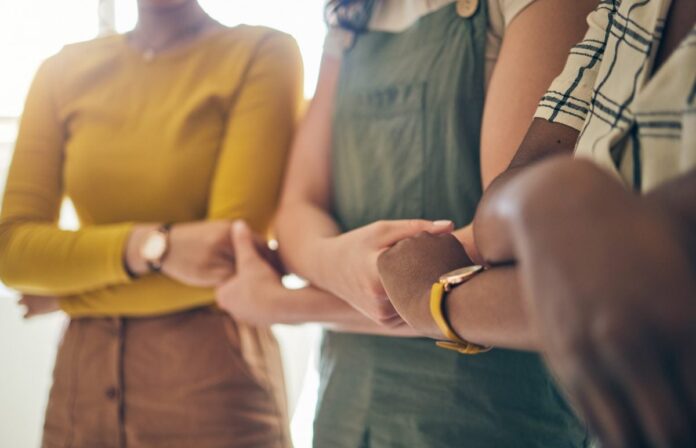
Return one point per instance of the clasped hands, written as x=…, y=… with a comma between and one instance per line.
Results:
x=412, y=254
x=200, y=254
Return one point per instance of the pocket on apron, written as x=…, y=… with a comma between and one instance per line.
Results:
x=379, y=154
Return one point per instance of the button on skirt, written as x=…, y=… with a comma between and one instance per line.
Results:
x=191, y=379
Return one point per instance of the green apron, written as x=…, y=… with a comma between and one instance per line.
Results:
x=406, y=145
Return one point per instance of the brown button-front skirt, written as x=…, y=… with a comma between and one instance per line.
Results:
x=192, y=379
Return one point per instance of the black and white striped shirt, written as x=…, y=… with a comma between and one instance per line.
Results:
x=641, y=128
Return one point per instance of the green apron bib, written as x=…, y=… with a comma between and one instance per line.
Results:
x=406, y=145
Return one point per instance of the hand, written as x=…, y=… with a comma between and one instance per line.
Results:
x=612, y=292
x=252, y=294
x=38, y=305
x=350, y=264
x=409, y=269
x=200, y=253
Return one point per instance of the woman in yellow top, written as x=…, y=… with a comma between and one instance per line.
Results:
x=181, y=121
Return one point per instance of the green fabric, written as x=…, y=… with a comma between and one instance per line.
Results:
x=406, y=145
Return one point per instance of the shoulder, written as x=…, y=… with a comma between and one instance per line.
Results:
x=89, y=49
x=257, y=48
x=241, y=47
x=254, y=39
x=73, y=57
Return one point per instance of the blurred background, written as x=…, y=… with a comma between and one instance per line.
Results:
x=30, y=31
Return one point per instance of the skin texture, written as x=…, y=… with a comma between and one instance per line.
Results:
x=543, y=140
x=409, y=270
x=307, y=233
x=37, y=305
x=256, y=295
x=487, y=310
x=200, y=254
x=529, y=58
x=618, y=329
x=356, y=279
x=309, y=238
x=270, y=301
x=411, y=267
x=167, y=23
x=311, y=243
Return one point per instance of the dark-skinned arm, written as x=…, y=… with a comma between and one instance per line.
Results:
x=555, y=129
x=544, y=139
x=487, y=310
x=609, y=285
x=677, y=196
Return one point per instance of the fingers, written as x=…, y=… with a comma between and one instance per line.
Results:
x=390, y=232
x=28, y=312
x=223, y=292
x=38, y=305
x=244, y=249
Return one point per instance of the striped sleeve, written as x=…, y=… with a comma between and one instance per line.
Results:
x=569, y=97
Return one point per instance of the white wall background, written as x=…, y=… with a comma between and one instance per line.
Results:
x=30, y=31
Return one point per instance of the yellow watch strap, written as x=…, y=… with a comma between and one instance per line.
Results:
x=437, y=295
x=454, y=342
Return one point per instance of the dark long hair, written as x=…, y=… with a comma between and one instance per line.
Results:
x=353, y=15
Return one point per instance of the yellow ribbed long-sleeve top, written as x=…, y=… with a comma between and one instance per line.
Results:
x=198, y=132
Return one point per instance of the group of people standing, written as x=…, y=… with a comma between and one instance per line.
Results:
x=439, y=138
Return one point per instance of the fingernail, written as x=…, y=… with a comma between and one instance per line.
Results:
x=238, y=224
x=442, y=223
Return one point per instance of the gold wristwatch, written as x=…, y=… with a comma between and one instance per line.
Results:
x=156, y=247
x=438, y=294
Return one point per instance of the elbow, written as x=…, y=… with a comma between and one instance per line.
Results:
x=524, y=202
x=283, y=216
x=559, y=189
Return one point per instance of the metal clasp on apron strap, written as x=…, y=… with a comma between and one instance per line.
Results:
x=467, y=8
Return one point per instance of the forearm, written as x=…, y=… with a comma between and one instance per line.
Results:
x=488, y=310
x=543, y=140
x=677, y=197
x=39, y=258
x=491, y=232
x=465, y=236
x=301, y=227
x=303, y=218
x=312, y=305
x=151, y=295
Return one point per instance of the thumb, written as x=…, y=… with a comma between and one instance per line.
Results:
x=391, y=232
x=243, y=242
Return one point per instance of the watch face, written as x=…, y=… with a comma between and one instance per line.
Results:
x=461, y=275
x=154, y=246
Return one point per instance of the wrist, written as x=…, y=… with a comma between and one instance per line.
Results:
x=135, y=264
x=321, y=259
x=290, y=306
x=465, y=236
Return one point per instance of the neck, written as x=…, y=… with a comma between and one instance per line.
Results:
x=158, y=25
